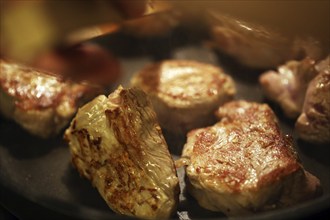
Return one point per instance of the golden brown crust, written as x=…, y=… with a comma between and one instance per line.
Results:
x=244, y=163
x=117, y=143
x=29, y=85
x=248, y=136
x=40, y=102
x=185, y=93
x=35, y=89
x=182, y=81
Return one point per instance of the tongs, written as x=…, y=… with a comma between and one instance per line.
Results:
x=29, y=28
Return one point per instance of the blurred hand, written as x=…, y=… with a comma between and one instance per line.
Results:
x=79, y=61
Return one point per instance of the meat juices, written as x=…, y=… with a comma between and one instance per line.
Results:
x=244, y=164
x=41, y=103
x=117, y=144
x=185, y=93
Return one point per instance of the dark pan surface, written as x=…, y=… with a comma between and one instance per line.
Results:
x=37, y=179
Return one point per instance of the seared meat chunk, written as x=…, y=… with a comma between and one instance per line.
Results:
x=313, y=125
x=244, y=164
x=185, y=93
x=288, y=86
x=117, y=144
x=41, y=103
x=302, y=88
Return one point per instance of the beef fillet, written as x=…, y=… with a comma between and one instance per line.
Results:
x=244, y=164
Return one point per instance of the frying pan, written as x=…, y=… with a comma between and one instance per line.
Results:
x=37, y=179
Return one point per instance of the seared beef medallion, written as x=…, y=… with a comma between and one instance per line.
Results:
x=244, y=164
x=185, y=93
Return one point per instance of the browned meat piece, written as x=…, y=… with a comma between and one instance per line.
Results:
x=303, y=88
x=288, y=85
x=117, y=144
x=256, y=46
x=185, y=93
x=42, y=104
x=313, y=125
x=244, y=164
